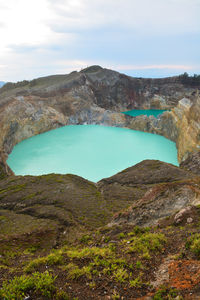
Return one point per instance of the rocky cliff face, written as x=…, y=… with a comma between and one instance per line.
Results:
x=96, y=96
x=181, y=125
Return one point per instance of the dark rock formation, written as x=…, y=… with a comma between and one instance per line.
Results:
x=157, y=189
x=186, y=215
x=192, y=163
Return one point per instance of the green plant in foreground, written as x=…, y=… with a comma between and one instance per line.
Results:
x=146, y=242
x=138, y=264
x=51, y=259
x=166, y=293
x=92, y=285
x=89, y=252
x=85, y=239
x=19, y=286
x=120, y=275
x=193, y=243
x=121, y=235
x=74, y=272
x=115, y=295
x=61, y=295
x=137, y=282
x=138, y=230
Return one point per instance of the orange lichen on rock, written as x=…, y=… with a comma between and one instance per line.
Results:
x=184, y=274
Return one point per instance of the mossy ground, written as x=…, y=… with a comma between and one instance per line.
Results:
x=56, y=224
x=109, y=263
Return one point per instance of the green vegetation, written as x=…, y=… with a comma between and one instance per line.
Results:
x=85, y=239
x=121, y=275
x=7, y=256
x=137, y=282
x=91, y=262
x=74, y=272
x=61, y=295
x=145, y=243
x=138, y=264
x=115, y=295
x=193, y=243
x=138, y=230
x=121, y=235
x=101, y=260
x=13, y=188
x=42, y=283
x=51, y=259
x=123, y=265
x=89, y=253
x=167, y=294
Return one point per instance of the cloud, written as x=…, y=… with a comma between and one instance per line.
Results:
x=43, y=37
x=144, y=16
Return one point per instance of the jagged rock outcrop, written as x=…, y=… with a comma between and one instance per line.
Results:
x=168, y=190
x=192, y=163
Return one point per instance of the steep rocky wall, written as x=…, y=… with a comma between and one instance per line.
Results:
x=115, y=91
x=24, y=117
x=181, y=125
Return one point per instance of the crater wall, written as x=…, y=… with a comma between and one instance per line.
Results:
x=97, y=96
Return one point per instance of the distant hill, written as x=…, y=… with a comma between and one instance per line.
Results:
x=1, y=83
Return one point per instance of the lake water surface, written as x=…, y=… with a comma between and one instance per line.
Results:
x=146, y=112
x=91, y=151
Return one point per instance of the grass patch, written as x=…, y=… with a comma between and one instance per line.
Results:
x=138, y=230
x=121, y=275
x=136, y=283
x=121, y=235
x=74, y=272
x=193, y=243
x=145, y=243
x=166, y=293
x=51, y=259
x=85, y=239
x=89, y=253
x=42, y=283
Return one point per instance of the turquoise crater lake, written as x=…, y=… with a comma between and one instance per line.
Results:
x=91, y=151
x=146, y=112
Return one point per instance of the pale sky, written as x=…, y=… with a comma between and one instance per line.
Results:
x=145, y=38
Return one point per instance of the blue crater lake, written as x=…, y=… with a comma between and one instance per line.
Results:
x=146, y=112
x=91, y=151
